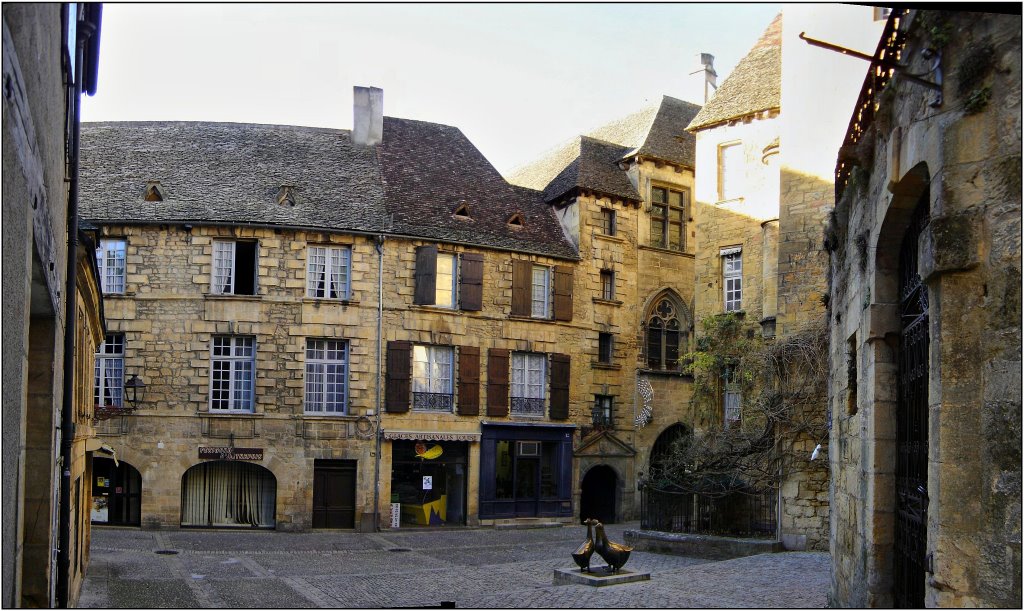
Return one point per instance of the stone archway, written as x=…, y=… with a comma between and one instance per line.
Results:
x=116, y=493
x=227, y=493
x=599, y=493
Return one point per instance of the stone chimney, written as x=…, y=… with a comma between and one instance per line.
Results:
x=368, y=115
x=705, y=79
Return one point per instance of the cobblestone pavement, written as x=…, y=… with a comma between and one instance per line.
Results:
x=481, y=568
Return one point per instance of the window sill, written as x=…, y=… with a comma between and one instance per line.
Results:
x=609, y=238
x=232, y=297
x=435, y=308
x=613, y=302
x=228, y=414
x=321, y=416
x=536, y=318
x=124, y=295
x=735, y=200
x=666, y=372
x=681, y=253
x=318, y=301
x=608, y=366
x=526, y=417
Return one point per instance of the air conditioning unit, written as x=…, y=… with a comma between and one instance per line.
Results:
x=529, y=448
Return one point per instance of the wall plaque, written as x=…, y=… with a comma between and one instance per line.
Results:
x=228, y=453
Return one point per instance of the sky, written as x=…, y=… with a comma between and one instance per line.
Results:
x=517, y=79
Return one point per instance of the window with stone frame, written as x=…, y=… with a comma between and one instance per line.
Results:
x=605, y=348
x=540, y=292
x=110, y=261
x=326, y=376
x=602, y=412
x=432, y=378
x=732, y=397
x=234, y=267
x=607, y=221
x=109, y=386
x=232, y=373
x=607, y=284
x=529, y=379
x=732, y=279
x=730, y=171
x=328, y=272
x=669, y=211
x=666, y=334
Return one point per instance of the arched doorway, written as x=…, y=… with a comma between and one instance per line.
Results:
x=226, y=493
x=598, y=492
x=116, y=493
x=663, y=445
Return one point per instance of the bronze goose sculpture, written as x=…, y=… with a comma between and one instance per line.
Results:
x=586, y=549
x=614, y=554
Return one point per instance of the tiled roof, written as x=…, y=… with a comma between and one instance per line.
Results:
x=591, y=161
x=754, y=85
x=229, y=172
x=232, y=172
x=429, y=170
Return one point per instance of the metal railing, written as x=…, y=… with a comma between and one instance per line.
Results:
x=736, y=514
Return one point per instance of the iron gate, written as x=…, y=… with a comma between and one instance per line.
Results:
x=746, y=514
x=912, y=423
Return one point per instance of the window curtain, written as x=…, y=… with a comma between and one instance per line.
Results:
x=225, y=493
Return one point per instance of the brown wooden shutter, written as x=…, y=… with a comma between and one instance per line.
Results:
x=426, y=275
x=563, y=292
x=560, y=374
x=497, y=381
x=396, y=394
x=522, y=277
x=469, y=381
x=471, y=282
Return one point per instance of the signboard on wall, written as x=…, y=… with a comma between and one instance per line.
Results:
x=428, y=482
x=396, y=515
x=229, y=453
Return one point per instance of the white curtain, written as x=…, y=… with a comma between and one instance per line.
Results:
x=225, y=493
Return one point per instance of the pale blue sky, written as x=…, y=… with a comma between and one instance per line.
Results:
x=517, y=79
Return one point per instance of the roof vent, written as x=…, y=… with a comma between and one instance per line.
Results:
x=286, y=196
x=154, y=192
x=515, y=221
x=462, y=212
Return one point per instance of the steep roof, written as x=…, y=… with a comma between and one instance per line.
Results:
x=754, y=85
x=591, y=161
x=233, y=172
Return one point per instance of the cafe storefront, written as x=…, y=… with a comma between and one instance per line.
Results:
x=525, y=470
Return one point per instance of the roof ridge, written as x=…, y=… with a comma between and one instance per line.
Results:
x=159, y=123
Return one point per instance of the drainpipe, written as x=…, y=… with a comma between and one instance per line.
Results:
x=67, y=426
x=376, y=411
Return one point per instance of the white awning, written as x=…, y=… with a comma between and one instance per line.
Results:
x=432, y=436
x=730, y=250
x=96, y=445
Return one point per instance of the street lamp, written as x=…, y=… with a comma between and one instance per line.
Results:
x=135, y=391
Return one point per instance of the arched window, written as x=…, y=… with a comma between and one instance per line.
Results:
x=666, y=333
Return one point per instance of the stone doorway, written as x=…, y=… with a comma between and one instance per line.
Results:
x=598, y=492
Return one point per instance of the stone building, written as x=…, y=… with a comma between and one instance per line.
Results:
x=53, y=317
x=925, y=318
x=762, y=193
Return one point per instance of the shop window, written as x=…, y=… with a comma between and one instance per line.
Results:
x=109, y=386
x=428, y=480
x=232, y=369
x=110, y=260
x=228, y=493
x=669, y=210
x=328, y=272
x=326, y=376
x=234, y=267
x=432, y=387
x=529, y=378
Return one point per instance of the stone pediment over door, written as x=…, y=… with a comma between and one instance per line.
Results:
x=605, y=445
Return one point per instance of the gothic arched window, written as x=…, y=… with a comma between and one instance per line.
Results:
x=666, y=332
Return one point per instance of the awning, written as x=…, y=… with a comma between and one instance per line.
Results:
x=432, y=436
x=96, y=445
x=730, y=250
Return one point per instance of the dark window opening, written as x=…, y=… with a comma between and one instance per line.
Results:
x=607, y=284
x=245, y=268
x=607, y=221
x=605, y=348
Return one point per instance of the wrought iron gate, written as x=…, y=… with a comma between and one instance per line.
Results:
x=912, y=423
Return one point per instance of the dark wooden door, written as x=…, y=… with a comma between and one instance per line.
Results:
x=334, y=494
x=912, y=424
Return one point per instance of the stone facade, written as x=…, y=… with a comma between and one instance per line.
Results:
x=947, y=172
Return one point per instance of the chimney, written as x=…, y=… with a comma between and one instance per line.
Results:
x=705, y=79
x=368, y=115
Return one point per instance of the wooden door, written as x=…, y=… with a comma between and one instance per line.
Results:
x=334, y=494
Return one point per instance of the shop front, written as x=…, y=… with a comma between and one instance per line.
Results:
x=525, y=471
x=116, y=493
x=429, y=478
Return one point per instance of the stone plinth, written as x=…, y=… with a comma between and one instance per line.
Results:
x=599, y=578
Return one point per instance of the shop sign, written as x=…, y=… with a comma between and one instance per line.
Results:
x=396, y=515
x=229, y=453
x=428, y=482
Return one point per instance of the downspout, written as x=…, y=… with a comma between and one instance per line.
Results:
x=376, y=411
x=67, y=426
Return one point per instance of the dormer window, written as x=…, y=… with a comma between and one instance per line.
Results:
x=515, y=221
x=462, y=212
x=286, y=196
x=154, y=192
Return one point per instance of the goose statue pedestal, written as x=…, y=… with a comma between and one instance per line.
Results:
x=614, y=554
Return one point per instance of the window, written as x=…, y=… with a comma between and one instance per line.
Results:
x=432, y=378
x=110, y=259
x=232, y=367
x=540, y=293
x=328, y=272
x=109, y=389
x=731, y=397
x=666, y=334
x=234, y=268
x=444, y=288
x=602, y=412
x=528, y=381
x=668, y=213
x=607, y=221
x=730, y=171
x=326, y=376
x=607, y=284
x=605, y=348
x=732, y=274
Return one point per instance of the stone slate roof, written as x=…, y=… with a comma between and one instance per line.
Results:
x=754, y=85
x=232, y=173
x=591, y=161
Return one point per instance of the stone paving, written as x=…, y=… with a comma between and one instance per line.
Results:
x=472, y=568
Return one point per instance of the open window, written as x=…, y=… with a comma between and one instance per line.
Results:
x=234, y=267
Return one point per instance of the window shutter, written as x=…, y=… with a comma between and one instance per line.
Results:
x=497, y=381
x=396, y=394
x=426, y=275
x=471, y=282
x=469, y=381
x=560, y=372
x=563, y=292
x=521, y=279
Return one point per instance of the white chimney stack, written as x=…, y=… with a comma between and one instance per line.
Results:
x=705, y=78
x=368, y=115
